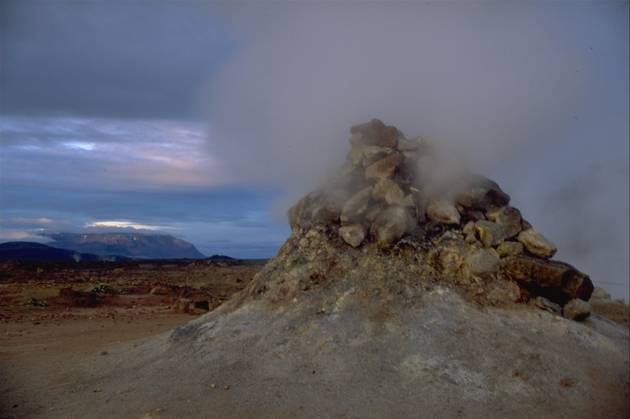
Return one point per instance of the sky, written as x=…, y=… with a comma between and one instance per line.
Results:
x=207, y=120
x=102, y=127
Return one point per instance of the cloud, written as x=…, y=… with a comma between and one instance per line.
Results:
x=42, y=221
x=123, y=224
x=78, y=145
x=18, y=235
x=493, y=79
x=106, y=153
x=109, y=59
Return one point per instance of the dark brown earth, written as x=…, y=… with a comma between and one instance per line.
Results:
x=44, y=334
x=38, y=292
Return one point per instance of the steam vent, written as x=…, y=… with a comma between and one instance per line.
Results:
x=464, y=233
x=397, y=295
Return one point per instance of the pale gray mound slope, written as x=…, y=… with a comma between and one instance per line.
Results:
x=368, y=336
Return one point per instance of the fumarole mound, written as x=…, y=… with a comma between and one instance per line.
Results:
x=398, y=294
x=461, y=229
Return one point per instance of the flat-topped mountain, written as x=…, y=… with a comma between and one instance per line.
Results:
x=134, y=245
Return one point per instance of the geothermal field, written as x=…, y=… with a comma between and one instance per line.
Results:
x=397, y=294
x=314, y=209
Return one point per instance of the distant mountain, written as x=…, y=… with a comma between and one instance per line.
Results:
x=37, y=252
x=134, y=245
x=221, y=258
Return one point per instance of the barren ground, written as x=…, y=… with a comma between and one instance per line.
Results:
x=45, y=335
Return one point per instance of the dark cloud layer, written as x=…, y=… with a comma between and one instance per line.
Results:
x=107, y=58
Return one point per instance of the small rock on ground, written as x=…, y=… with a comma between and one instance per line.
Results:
x=576, y=310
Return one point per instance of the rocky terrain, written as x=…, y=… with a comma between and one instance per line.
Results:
x=39, y=291
x=55, y=315
x=399, y=293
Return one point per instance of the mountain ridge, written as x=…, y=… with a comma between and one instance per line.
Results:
x=134, y=245
x=38, y=252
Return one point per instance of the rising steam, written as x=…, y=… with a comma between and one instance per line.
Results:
x=533, y=94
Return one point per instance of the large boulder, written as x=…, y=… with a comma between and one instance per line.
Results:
x=536, y=243
x=352, y=234
x=576, y=309
x=482, y=261
x=489, y=232
x=385, y=167
x=442, y=211
x=558, y=281
x=482, y=193
x=509, y=248
x=504, y=292
x=509, y=218
x=376, y=133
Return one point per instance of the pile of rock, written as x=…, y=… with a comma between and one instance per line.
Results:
x=384, y=199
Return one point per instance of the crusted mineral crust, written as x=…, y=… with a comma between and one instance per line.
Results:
x=383, y=201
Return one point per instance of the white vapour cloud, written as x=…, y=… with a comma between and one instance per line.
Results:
x=124, y=224
x=534, y=94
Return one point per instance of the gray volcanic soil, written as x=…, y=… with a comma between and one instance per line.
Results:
x=369, y=335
